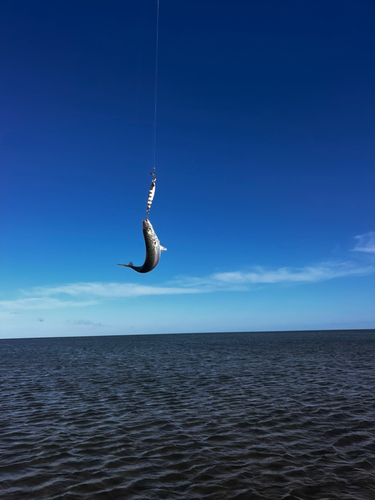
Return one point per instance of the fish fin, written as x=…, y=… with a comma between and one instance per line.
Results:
x=162, y=248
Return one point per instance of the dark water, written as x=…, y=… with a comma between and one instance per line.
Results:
x=214, y=416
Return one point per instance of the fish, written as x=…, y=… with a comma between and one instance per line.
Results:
x=153, y=250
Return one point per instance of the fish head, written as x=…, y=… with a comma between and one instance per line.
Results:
x=147, y=226
x=149, y=233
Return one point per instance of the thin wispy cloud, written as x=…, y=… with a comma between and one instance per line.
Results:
x=34, y=303
x=366, y=242
x=83, y=322
x=109, y=290
x=309, y=274
x=84, y=294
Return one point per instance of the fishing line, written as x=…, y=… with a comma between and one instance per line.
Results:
x=156, y=87
x=151, y=192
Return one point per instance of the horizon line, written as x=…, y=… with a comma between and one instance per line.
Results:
x=317, y=330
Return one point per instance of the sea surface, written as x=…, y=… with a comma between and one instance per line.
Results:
x=203, y=416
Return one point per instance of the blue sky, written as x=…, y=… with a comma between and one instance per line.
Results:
x=264, y=157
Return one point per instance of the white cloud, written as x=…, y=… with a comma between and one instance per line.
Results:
x=85, y=294
x=33, y=303
x=109, y=290
x=84, y=322
x=309, y=274
x=366, y=242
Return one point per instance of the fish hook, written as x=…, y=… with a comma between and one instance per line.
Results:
x=151, y=193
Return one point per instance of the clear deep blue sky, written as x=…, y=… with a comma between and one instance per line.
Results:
x=264, y=157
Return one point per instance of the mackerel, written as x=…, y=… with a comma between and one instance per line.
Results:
x=153, y=250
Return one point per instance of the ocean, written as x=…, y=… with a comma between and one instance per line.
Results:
x=250, y=416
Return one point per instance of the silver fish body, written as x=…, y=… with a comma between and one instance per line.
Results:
x=153, y=250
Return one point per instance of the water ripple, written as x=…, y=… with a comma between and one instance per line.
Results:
x=215, y=416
